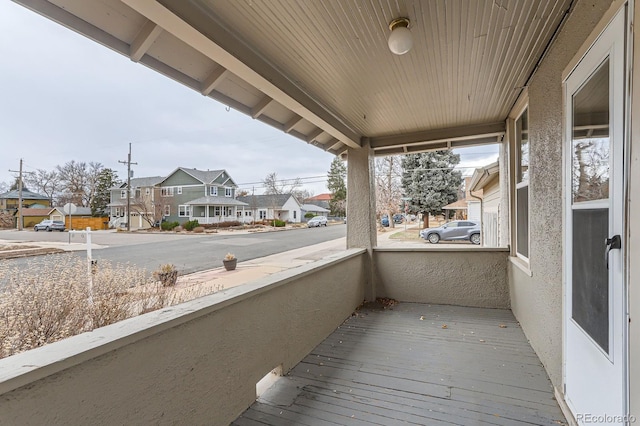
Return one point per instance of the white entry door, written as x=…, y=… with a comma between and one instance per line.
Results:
x=595, y=296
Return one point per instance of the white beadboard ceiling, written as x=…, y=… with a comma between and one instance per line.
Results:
x=321, y=69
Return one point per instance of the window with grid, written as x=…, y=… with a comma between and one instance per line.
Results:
x=167, y=210
x=227, y=192
x=184, y=211
x=213, y=191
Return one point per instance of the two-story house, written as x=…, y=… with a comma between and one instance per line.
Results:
x=206, y=195
x=144, y=210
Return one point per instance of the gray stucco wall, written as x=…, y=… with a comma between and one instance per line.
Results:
x=536, y=301
x=195, y=363
x=466, y=277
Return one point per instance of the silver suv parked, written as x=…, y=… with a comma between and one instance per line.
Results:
x=451, y=231
x=50, y=225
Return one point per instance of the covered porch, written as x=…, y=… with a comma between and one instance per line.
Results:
x=211, y=210
x=485, y=72
x=414, y=363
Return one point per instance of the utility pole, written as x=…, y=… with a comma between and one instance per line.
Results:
x=19, y=195
x=128, y=163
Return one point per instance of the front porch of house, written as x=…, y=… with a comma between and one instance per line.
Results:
x=414, y=363
x=199, y=362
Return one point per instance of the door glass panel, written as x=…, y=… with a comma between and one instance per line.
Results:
x=590, y=182
x=590, y=292
x=590, y=168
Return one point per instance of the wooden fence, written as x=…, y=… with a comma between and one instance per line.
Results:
x=81, y=222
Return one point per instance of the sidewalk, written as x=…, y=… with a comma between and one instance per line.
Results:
x=220, y=279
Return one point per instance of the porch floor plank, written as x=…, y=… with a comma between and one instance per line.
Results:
x=415, y=364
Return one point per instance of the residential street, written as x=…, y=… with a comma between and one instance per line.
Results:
x=189, y=253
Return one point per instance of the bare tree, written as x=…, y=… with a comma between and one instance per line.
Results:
x=149, y=206
x=4, y=187
x=44, y=182
x=388, y=186
x=73, y=180
x=273, y=185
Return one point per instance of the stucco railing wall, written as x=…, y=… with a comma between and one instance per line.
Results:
x=465, y=276
x=194, y=363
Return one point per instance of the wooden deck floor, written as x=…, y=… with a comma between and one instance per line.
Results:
x=415, y=364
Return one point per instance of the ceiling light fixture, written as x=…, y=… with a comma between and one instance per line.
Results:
x=400, y=40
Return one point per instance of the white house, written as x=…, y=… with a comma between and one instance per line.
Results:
x=485, y=186
x=283, y=207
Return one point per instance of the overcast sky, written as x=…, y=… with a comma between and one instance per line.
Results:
x=65, y=97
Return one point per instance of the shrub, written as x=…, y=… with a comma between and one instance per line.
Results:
x=190, y=225
x=277, y=223
x=48, y=300
x=222, y=225
x=168, y=226
x=308, y=215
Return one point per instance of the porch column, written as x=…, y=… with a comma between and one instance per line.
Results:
x=361, y=207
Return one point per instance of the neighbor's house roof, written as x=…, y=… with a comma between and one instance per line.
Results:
x=320, y=197
x=457, y=205
x=141, y=182
x=483, y=176
x=215, y=201
x=314, y=208
x=267, y=201
x=80, y=211
x=37, y=212
x=26, y=195
x=204, y=176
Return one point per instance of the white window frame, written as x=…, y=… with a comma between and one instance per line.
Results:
x=262, y=214
x=217, y=211
x=228, y=192
x=522, y=107
x=184, y=210
x=147, y=191
x=179, y=190
x=166, y=191
x=213, y=191
x=167, y=210
x=123, y=193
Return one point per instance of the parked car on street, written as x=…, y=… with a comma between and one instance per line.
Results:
x=317, y=221
x=397, y=218
x=50, y=225
x=454, y=230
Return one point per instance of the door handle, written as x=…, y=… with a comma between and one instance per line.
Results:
x=614, y=242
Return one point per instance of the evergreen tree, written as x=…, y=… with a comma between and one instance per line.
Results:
x=106, y=179
x=431, y=181
x=336, y=183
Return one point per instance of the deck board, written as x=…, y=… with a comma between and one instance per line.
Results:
x=415, y=364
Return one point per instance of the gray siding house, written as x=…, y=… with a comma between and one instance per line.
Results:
x=205, y=195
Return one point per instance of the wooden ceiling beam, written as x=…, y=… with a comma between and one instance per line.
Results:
x=144, y=39
x=257, y=110
x=213, y=80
